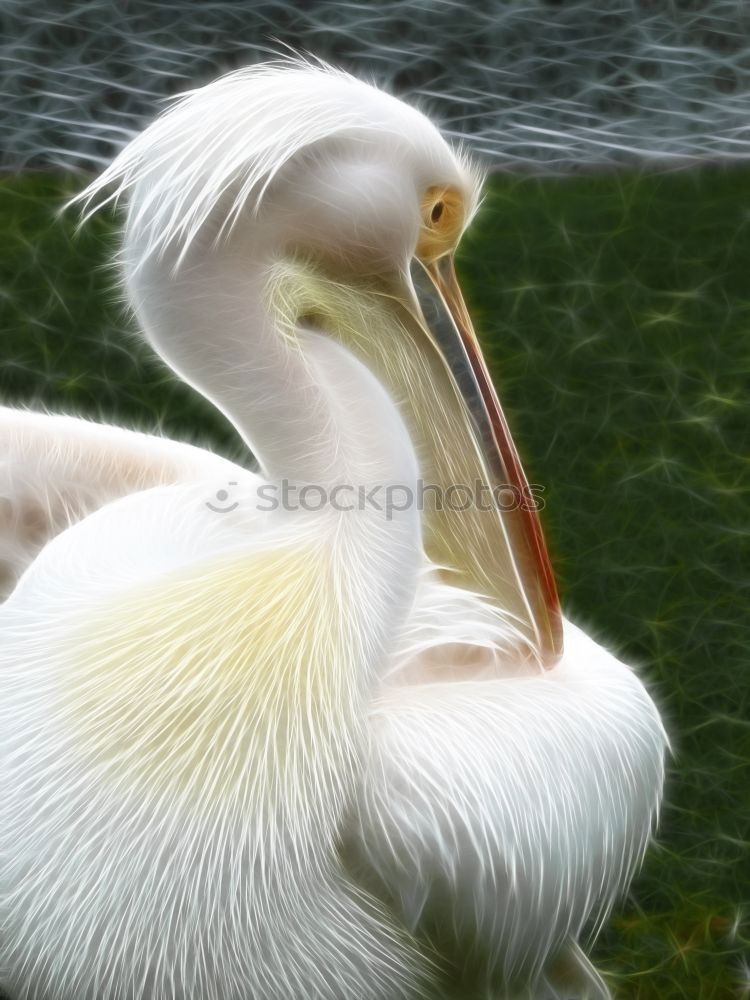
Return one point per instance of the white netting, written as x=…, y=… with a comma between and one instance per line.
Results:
x=528, y=82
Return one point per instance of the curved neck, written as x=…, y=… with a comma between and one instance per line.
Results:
x=307, y=408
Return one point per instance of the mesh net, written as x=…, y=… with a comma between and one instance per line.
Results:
x=528, y=83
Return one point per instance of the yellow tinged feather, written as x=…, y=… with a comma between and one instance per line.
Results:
x=218, y=677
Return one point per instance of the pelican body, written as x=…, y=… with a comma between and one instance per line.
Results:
x=259, y=751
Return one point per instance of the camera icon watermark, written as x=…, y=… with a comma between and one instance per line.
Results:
x=389, y=499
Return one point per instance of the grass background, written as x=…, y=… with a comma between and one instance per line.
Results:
x=615, y=311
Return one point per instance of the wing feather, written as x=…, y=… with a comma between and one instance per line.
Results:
x=55, y=470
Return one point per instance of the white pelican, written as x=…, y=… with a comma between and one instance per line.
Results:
x=254, y=752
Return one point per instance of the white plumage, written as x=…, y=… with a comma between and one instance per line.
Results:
x=254, y=752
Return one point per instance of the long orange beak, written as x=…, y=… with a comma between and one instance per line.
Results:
x=524, y=526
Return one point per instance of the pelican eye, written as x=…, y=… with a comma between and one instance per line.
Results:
x=442, y=222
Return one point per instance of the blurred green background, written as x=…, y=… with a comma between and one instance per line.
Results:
x=615, y=310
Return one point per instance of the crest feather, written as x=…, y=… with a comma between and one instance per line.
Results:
x=225, y=143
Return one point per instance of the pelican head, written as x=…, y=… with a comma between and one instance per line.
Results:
x=303, y=156
x=289, y=197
